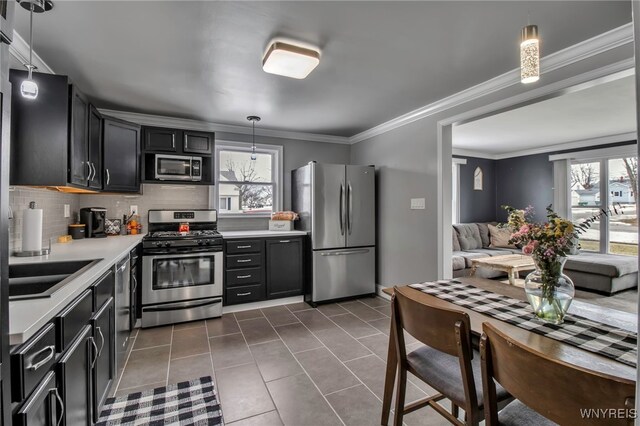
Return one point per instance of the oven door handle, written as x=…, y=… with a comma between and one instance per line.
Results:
x=166, y=254
x=183, y=305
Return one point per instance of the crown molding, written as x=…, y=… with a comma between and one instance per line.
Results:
x=471, y=153
x=19, y=49
x=184, y=123
x=591, y=47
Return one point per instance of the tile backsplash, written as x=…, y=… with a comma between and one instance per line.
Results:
x=51, y=202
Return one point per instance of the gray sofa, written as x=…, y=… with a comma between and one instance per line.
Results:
x=602, y=273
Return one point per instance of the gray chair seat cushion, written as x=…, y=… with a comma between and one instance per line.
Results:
x=518, y=414
x=442, y=372
x=610, y=265
x=458, y=262
x=468, y=236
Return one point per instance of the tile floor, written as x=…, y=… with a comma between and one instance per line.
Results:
x=289, y=364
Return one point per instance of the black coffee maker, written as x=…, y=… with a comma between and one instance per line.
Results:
x=93, y=218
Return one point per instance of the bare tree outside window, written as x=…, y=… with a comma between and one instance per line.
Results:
x=585, y=176
x=247, y=184
x=631, y=167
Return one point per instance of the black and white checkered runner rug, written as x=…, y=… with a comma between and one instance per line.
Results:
x=612, y=342
x=186, y=403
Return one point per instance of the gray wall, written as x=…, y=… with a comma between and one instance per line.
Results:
x=406, y=160
x=478, y=206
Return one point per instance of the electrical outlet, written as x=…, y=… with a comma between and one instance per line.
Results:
x=67, y=210
x=133, y=209
x=417, y=204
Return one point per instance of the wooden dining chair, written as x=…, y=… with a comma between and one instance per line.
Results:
x=446, y=362
x=548, y=391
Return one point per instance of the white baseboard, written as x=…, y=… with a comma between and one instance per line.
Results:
x=380, y=293
x=262, y=304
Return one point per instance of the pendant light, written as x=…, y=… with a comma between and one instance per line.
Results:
x=253, y=119
x=529, y=54
x=29, y=88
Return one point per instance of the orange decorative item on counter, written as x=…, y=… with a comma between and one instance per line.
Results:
x=284, y=216
x=183, y=228
x=133, y=226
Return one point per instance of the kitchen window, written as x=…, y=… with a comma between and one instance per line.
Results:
x=246, y=187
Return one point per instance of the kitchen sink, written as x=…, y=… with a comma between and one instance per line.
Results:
x=40, y=280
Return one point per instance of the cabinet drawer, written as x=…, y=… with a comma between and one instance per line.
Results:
x=244, y=276
x=243, y=260
x=42, y=407
x=244, y=246
x=70, y=321
x=103, y=289
x=31, y=361
x=244, y=294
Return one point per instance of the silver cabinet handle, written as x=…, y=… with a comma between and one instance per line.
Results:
x=243, y=260
x=285, y=241
x=52, y=351
x=103, y=341
x=135, y=283
x=350, y=207
x=243, y=276
x=108, y=176
x=88, y=168
x=93, y=176
x=243, y=247
x=95, y=349
x=59, y=399
x=244, y=294
x=341, y=209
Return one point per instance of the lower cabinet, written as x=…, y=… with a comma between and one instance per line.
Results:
x=75, y=371
x=284, y=267
x=43, y=407
x=103, y=323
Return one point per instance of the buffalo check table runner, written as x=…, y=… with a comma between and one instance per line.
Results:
x=602, y=339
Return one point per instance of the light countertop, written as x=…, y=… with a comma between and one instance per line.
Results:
x=261, y=233
x=26, y=317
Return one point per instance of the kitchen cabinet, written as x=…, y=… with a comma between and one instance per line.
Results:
x=160, y=139
x=95, y=148
x=197, y=142
x=284, y=267
x=121, y=141
x=79, y=167
x=43, y=407
x=75, y=371
x=104, y=367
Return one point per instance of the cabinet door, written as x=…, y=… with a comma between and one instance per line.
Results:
x=159, y=139
x=103, y=323
x=42, y=407
x=74, y=369
x=284, y=267
x=95, y=148
x=197, y=142
x=79, y=143
x=121, y=141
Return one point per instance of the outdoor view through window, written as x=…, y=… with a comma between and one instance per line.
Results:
x=245, y=185
x=587, y=198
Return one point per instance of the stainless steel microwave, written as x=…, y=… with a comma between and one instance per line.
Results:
x=178, y=167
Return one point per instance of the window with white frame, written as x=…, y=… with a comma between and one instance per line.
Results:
x=248, y=187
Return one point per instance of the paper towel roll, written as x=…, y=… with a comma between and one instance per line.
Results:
x=32, y=230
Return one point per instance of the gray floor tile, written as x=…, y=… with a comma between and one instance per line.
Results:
x=354, y=325
x=326, y=371
x=279, y=315
x=314, y=320
x=300, y=306
x=190, y=341
x=250, y=314
x=155, y=336
x=227, y=324
x=267, y=419
x=332, y=309
x=356, y=406
x=257, y=330
x=190, y=324
x=375, y=302
x=382, y=324
x=341, y=344
x=274, y=360
x=426, y=416
x=378, y=344
x=150, y=386
x=300, y=404
x=242, y=392
x=146, y=366
x=193, y=367
x=229, y=350
x=385, y=310
x=297, y=337
x=362, y=311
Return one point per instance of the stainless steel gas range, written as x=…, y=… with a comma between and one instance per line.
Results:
x=182, y=266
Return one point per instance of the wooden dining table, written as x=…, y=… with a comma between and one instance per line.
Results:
x=550, y=347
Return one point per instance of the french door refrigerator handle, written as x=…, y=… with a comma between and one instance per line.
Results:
x=342, y=208
x=344, y=252
x=350, y=208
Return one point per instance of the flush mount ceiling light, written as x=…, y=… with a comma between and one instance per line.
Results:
x=29, y=88
x=290, y=60
x=253, y=119
x=529, y=54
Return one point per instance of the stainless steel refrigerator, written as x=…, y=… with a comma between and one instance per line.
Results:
x=336, y=203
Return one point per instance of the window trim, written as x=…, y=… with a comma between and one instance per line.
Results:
x=276, y=152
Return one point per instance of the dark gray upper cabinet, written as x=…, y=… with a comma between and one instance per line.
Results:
x=187, y=142
x=197, y=142
x=284, y=267
x=79, y=167
x=160, y=139
x=95, y=148
x=121, y=141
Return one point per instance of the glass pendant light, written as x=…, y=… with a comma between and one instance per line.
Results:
x=253, y=119
x=529, y=55
x=29, y=88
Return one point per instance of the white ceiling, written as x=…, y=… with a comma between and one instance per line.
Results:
x=202, y=59
x=603, y=110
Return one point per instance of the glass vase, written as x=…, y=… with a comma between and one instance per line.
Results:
x=549, y=291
